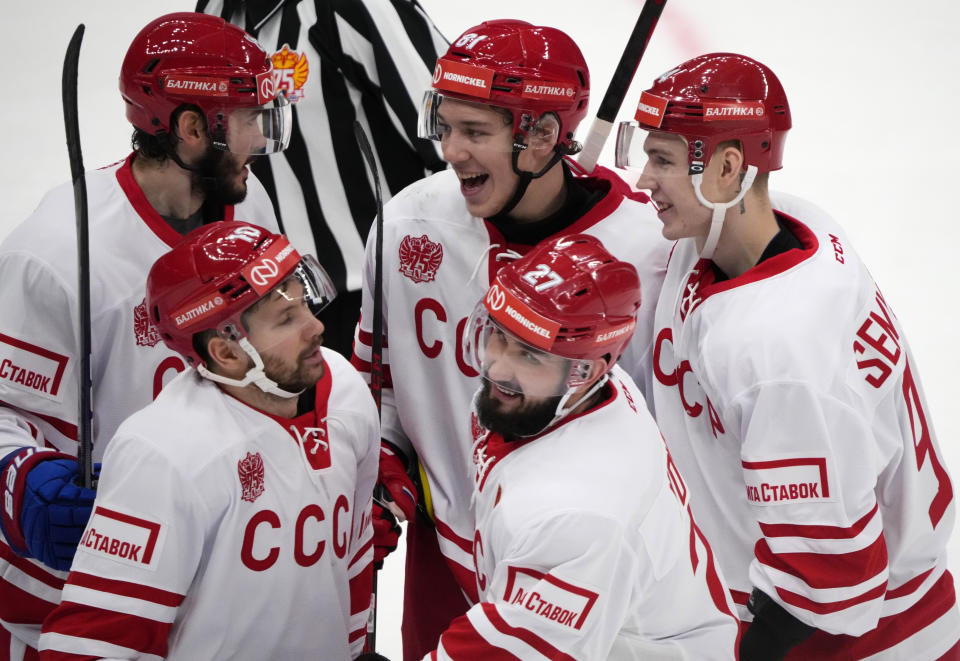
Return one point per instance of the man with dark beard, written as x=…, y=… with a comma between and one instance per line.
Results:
x=581, y=530
x=200, y=95
x=255, y=470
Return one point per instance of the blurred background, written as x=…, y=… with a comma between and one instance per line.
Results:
x=873, y=89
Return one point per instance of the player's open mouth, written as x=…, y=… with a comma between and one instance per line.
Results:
x=504, y=394
x=470, y=183
x=662, y=206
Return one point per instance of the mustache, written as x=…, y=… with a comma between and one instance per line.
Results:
x=316, y=343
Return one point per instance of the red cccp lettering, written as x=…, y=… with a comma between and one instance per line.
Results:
x=433, y=349
x=310, y=520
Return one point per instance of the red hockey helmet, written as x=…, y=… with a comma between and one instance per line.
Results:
x=191, y=58
x=567, y=297
x=713, y=98
x=208, y=280
x=528, y=69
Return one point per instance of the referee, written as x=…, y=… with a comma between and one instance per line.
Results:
x=366, y=60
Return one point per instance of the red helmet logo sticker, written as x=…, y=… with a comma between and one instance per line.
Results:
x=269, y=270
x=146, y=333
x=495, y=298
x=651, y=109
x=290, y=71
x=732, y=110
x=266, y=87
x=420, y=258
x=196, y=85
x=546, y=90
x=515, y=316
x=194, y=312
x=463, y=78
x=250, y=472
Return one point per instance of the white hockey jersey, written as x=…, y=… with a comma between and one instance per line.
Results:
x=39, y=343
x=221, y=532
x=585, y=549
x=438, y=262
x=792, y=406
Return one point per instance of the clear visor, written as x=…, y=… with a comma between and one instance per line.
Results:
x=286, y=311
x=466, y=124
x=259, y=130
x=653, y=152
x=514, y=366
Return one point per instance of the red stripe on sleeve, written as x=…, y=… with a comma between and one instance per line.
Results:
x=527, y=636
x=361, y=589
x=367, y=338
x=20, y=607
x=365, y=367
x=820, y=571
x=821, y=608
x=359, y=554
x=462, y=641
x=125, y=589
x=138, y=633
x=818, y=532
x=357, y=634
x=28, y=568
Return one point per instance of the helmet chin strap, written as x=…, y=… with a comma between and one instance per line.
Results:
x=562, y=412
x=254, y=375
x=720, y=208
x=525, y=178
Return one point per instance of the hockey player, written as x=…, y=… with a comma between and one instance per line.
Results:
x=368, y=61
x=234, y=510
x=199, y=94
x=786, y=390
x=583, y=571
x=506, y=101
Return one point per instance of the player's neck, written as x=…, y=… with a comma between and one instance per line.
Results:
x=748, y=229
x=544, y=197
x=252, y=396
x=167, y=187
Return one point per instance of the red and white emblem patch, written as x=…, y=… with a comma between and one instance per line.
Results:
x=420, y=258
x=145, y=332
x=250, y=470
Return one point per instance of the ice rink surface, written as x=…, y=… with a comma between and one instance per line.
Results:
x=873, y=88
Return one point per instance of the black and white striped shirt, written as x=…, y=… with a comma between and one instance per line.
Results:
x=369, y=60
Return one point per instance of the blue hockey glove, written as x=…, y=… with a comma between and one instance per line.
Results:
x=44, y=511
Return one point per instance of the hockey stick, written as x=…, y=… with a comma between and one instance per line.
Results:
x=376, y=351
x=72, y=124
x=620, y=83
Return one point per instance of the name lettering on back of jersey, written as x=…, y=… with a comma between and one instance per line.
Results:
x=877, y=343
x=551, y=598
x=251, y=474
x=31, y=369
x=784, y=481
x=124, y=538
x=420, y=258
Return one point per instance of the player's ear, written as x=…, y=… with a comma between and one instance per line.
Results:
x=731, y=161
x=191, y=127
x=226, y=356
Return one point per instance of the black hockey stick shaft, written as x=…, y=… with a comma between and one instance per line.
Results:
x=376, y=351
x=71, y=121
x=620, y=83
